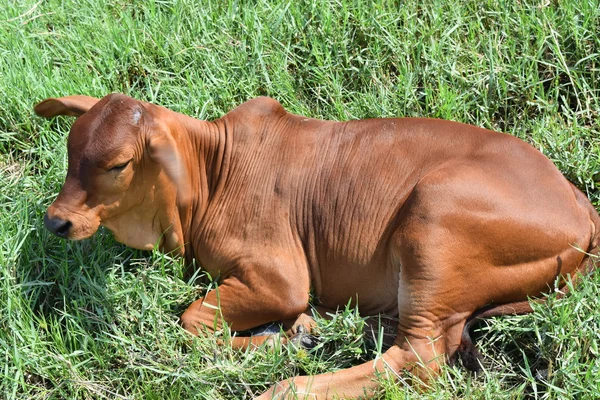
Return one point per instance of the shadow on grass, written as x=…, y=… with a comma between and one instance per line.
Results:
x=91, y=285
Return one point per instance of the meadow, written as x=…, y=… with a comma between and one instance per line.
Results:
x=94, y=319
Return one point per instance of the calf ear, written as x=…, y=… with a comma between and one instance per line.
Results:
x=163, y=150
x=70, y=105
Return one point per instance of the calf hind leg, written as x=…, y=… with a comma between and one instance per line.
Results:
x=421, y=346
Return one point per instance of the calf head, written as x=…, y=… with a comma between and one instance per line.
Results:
x=125, y=172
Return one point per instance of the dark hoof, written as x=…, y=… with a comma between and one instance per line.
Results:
x=272, y=328
x=469, y=357
x=304, y=340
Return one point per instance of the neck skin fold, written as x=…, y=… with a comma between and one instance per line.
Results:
x=204, y=148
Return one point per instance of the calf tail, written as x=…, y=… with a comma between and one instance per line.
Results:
x=467, y=353
x=591, y=259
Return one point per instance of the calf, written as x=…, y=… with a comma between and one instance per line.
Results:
x=427, y=220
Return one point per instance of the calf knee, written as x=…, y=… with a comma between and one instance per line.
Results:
x=190, y=321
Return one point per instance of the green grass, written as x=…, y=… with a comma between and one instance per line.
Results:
x=97, y=320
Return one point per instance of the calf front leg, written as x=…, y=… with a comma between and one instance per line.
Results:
x=245, y=303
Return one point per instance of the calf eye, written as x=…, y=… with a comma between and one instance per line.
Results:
x=120, y=167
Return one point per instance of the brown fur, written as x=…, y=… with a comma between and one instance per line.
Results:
x=425, y=220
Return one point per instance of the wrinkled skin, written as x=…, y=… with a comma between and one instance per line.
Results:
x=425, y=220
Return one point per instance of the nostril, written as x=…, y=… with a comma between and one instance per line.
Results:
x=57, y=226
x=63, y=230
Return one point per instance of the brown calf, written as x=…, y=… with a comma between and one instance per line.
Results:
x=430, y=221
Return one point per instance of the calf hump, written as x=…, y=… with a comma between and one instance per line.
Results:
x=259, y=107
